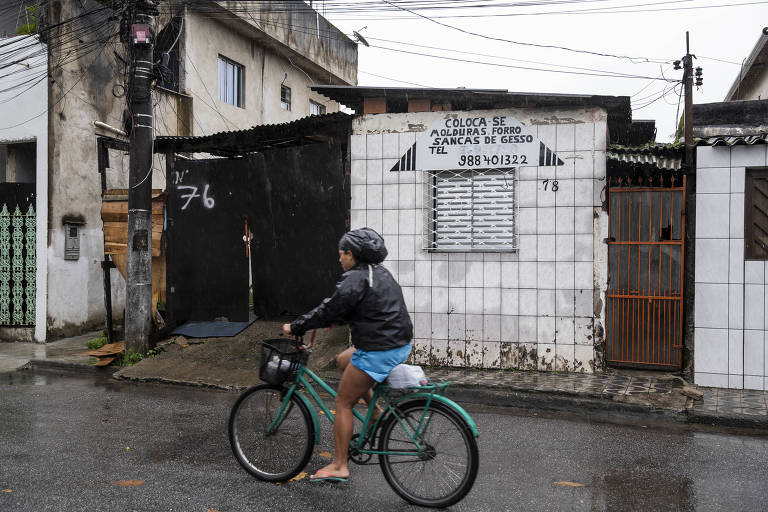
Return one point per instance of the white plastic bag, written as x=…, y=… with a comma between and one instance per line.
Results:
x=406, y=376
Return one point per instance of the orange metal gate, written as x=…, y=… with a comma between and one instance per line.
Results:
x=645, y=273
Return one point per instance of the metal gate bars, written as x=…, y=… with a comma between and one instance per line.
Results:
x=645, y=272
x=17, y=266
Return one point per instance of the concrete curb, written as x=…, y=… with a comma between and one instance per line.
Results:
x=588, y=405
x=196, y=384
x=68, y=367
x=732, y=421
x=576, y=404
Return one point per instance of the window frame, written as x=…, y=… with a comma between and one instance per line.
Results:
x=478, y=193
x=238, y=92
x=285, y=100
x=322, y=110
x=751, y=251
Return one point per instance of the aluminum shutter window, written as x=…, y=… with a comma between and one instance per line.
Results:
x=471, y=210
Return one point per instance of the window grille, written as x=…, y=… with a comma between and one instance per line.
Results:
x=231, y=82
x=470, y=210
x=316, y=109
x=285, y=98
x=756, y=215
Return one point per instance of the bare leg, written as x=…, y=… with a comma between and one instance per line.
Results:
x=342, y=361
x=354, y=384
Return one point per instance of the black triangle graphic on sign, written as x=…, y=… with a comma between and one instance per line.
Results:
x=547, y=156
x=407, y=162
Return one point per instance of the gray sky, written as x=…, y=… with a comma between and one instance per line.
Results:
x=716, y=34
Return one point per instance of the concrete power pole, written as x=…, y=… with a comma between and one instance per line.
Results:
x=138, y=307
x=688, y=113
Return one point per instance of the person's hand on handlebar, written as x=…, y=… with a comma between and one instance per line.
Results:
x=287, y=329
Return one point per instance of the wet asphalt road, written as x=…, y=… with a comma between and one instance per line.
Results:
x=63, y=439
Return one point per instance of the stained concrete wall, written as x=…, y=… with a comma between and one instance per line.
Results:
x=24, y=118
x=81, y=91
x=295, y=30
x=265, y=71
x=540, y=307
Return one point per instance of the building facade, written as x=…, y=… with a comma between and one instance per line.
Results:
x=503, y=263
x=731, y=315
x=226, y=70
x=521, y=294
x=23, y=183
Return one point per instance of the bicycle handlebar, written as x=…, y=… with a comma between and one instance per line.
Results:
x=299, y=340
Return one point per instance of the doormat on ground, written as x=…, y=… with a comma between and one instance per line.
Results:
x=106, y=354
x=214, y=329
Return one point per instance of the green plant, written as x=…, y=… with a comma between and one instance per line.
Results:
x=153, y=352
x=97, y=343
x=29, y=28
x=130, y=358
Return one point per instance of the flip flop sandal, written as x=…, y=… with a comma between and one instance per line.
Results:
x=327, y=478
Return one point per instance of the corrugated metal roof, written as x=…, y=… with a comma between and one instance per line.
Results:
x=662, y=156
x=743, y=140
x=301, y=131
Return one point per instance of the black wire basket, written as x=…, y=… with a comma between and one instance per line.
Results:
x=280, y=361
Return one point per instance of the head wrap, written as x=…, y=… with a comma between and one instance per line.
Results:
x=365, y=244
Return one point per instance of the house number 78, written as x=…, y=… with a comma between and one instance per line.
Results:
x=554, y=185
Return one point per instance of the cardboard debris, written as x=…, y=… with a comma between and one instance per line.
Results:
x=107, y=350
x=105, y=354
x=104, y=361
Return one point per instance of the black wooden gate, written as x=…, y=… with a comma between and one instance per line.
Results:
x=291, y=204
x=208, y=208
x=297, y=223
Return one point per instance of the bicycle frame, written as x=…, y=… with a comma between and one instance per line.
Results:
x=430, y=393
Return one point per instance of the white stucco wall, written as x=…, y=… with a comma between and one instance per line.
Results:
x=731, y=299
x=24, y=117
x=533, y=308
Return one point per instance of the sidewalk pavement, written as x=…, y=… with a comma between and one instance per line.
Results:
x=232, y=363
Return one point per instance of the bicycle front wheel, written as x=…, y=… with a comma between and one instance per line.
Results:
x=445, y=469
x=272, y=442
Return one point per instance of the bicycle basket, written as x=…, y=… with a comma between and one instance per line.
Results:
x=280, y=361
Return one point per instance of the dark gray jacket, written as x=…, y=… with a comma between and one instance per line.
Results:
x=368, y=299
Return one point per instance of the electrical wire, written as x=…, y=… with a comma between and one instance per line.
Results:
x=496, y=64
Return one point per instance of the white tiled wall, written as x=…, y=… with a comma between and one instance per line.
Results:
x=731, y=294
x=529, y=309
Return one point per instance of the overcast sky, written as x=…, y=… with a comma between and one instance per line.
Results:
x=716, y=34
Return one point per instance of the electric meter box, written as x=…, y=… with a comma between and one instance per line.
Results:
x=72, y=228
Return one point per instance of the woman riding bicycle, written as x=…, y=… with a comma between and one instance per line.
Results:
x=368, y=299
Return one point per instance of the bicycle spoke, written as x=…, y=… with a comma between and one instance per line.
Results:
x=269, y=440
x=445, y=465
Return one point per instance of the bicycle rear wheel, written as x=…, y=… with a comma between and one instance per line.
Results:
x=447, y=467
x=277, y=455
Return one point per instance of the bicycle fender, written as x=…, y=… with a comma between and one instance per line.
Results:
x=312, y=412
x=448, y=402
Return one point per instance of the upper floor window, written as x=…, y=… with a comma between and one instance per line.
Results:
x=316, y=109
x=285, y=97
x=756, y=215
x=231, y=82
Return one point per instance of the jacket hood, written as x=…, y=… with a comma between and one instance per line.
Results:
x=365, y=244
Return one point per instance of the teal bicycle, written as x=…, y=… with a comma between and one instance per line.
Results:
x=425, y=442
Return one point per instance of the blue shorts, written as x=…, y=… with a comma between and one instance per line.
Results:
x=378, y=363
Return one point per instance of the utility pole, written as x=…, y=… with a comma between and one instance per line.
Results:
x=688, y=84
x=138, y=317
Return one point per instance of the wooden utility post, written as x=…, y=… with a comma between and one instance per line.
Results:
x=138, y=316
